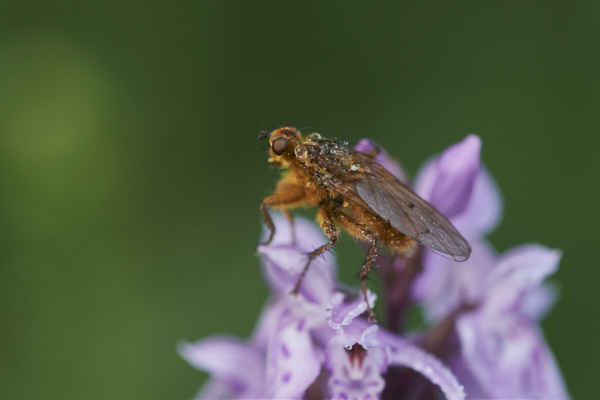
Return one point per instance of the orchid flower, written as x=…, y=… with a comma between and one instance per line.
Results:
x=481, y=336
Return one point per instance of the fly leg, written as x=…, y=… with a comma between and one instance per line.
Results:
x=365, y=271
x=285, y=199
x=290, y=217
x=325, y=219
x=363, y=233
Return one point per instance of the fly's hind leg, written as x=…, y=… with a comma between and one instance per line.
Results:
x=363, y=233
x=363, y=275
x=325, y=219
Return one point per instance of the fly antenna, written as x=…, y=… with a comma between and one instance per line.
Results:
x=264, y=134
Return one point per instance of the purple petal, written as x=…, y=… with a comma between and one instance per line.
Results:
x=267, y=323
x=237, y=368
x=361, y=332
x=284, y=260
x=484, y=209
x=509, y=358
x=537, y=303
x=468, y=381
x=502, y=346
x=447, y=182
x=445, y=285
x=405, y=354
x=293, y=362
x=353, y=378
x=367, y=146
x=340, y=313
x=356, y=358
x=519, y=273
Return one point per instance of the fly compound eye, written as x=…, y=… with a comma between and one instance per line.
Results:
x=280, y=145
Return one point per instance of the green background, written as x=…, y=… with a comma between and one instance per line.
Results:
x=131, y=175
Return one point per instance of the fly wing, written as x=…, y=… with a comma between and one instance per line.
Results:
x=379, y=191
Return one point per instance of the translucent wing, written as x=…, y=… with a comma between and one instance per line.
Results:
x=380, y=192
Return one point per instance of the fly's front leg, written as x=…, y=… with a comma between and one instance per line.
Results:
x=325, y=219
x=284, y=199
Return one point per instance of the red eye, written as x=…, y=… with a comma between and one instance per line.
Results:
x=280, y=145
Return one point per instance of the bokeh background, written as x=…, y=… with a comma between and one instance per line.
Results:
x=131, y=175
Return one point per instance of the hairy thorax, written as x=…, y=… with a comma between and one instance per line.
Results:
x=324, y=160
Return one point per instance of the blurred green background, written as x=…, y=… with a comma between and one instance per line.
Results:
x=131, y=175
